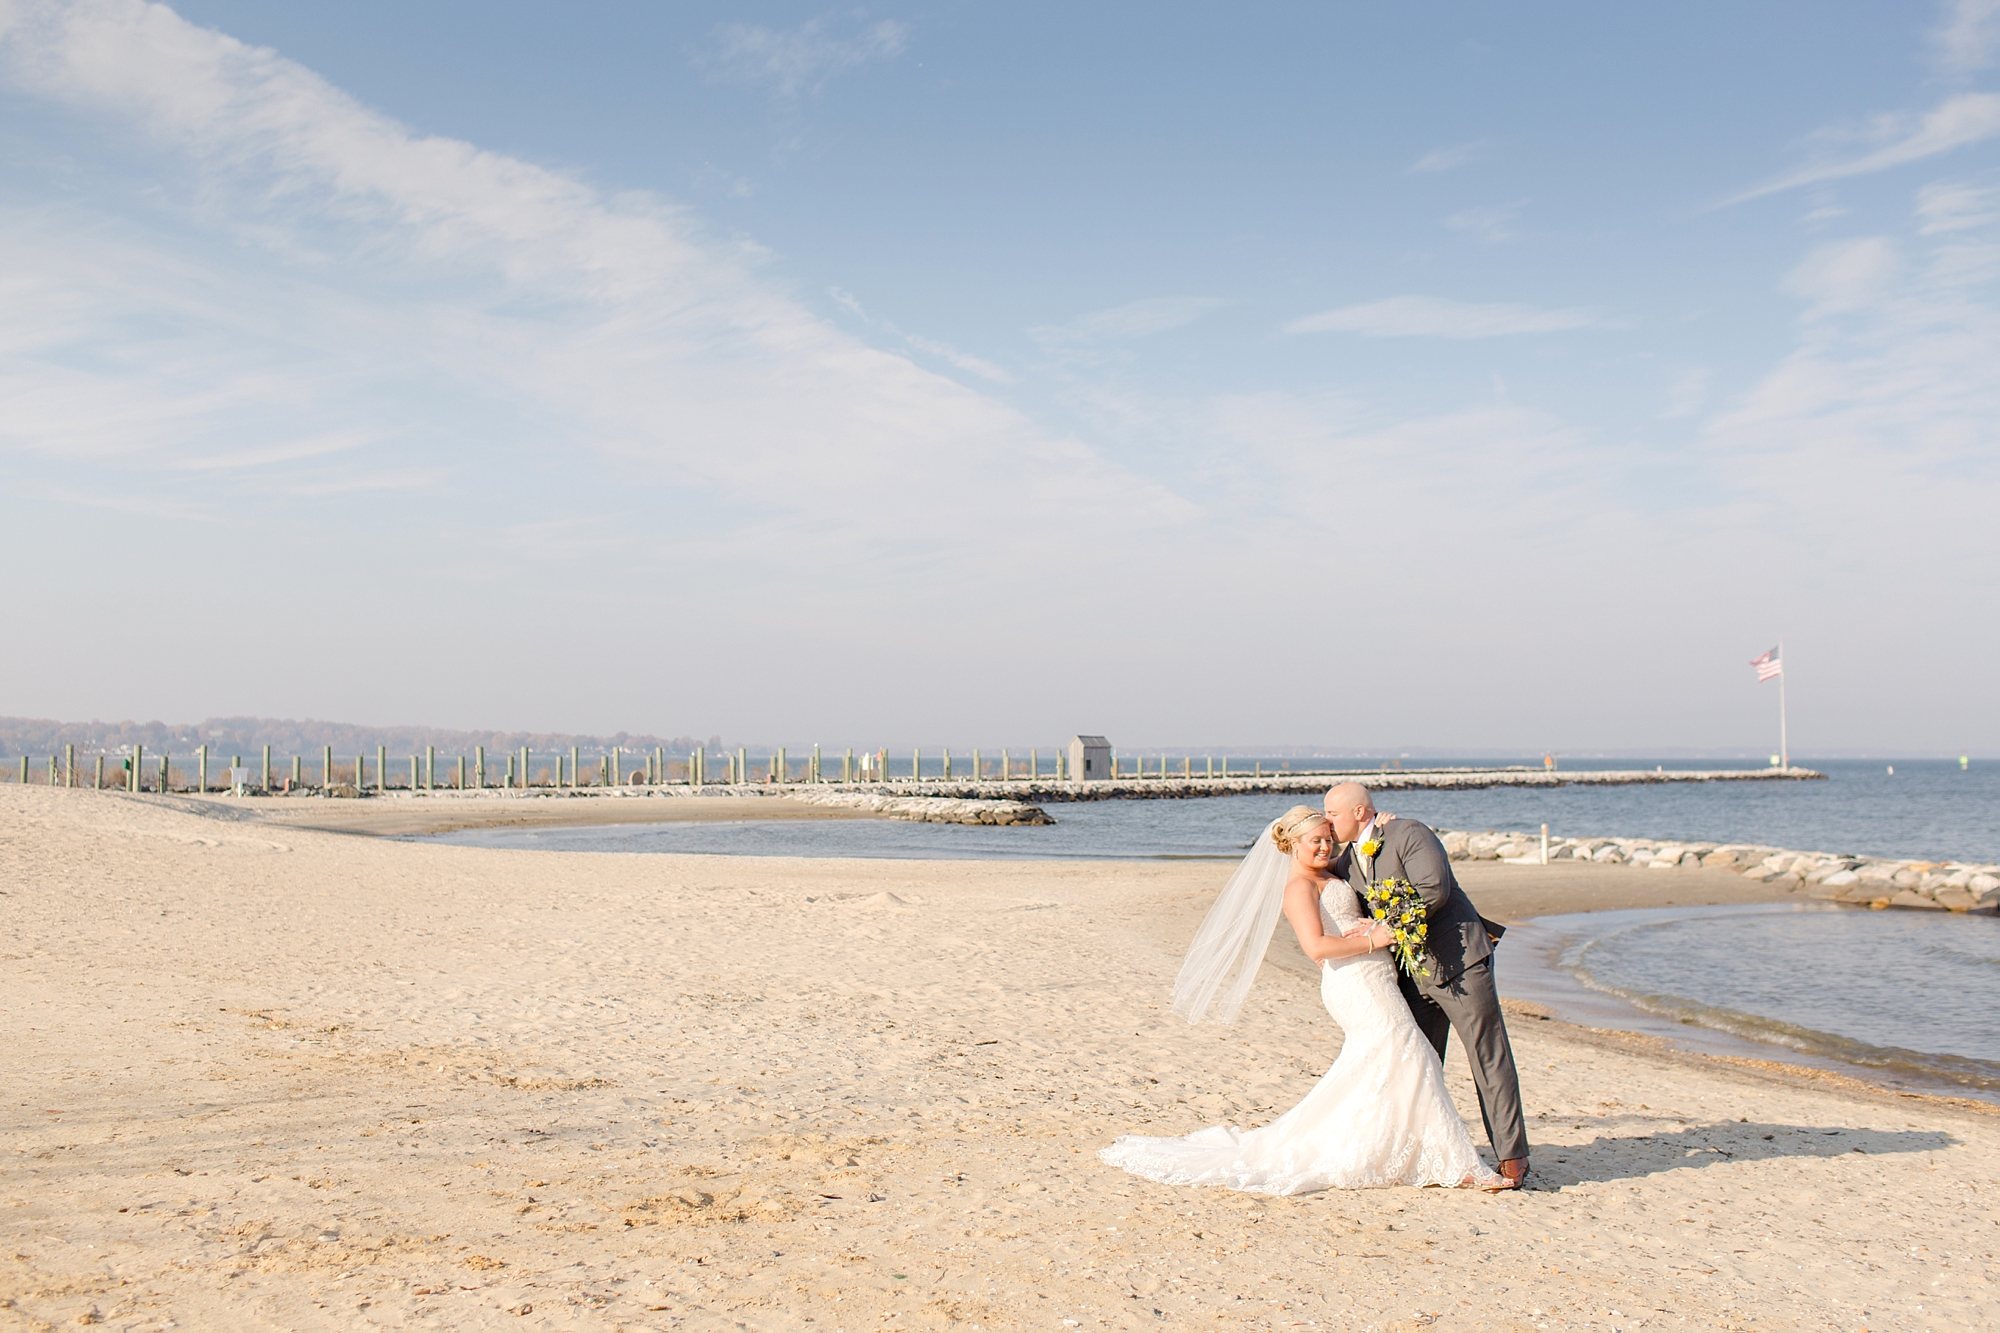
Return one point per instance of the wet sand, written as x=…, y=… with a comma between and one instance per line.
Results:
x=272, y=1077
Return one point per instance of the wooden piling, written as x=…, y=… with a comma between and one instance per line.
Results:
x=100, y=773
x=138, y=778
x=381, y=768
x=479, y=767
x=267, y=769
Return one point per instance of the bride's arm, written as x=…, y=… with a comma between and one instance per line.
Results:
x=1302, y=910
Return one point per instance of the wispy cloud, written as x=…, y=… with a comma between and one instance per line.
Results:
x=1687, y=394
x=801, y=59
x=1492, y=223
x=472, y=307
x=951, y=356
x=1446, y=159
x=1434, y=317
x=1968, y=118
x=1969, y=37
x=929, y=347
x=1847, y=275
x=1135, y=319
x=1949, y=206
x=288, y=451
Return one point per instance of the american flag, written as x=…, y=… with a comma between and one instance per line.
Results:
x=1768, y=665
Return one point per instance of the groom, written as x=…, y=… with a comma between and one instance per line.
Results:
x=1459, y=991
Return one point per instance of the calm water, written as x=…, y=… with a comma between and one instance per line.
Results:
x=1910, y=994
x=1927, y=808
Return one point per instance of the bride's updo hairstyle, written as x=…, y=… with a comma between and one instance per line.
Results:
x=1293, y=825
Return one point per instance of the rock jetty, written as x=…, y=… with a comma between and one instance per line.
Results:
x=1866, y=881
x=1172, y=788
x=926, y=809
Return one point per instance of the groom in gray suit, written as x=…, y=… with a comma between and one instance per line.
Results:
x=1459, y=991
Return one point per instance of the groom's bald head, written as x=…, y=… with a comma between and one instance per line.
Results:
x=1349, y=807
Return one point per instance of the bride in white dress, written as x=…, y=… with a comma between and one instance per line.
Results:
x=1381, y=1115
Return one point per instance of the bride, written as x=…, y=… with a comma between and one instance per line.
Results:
x=1381, y=1115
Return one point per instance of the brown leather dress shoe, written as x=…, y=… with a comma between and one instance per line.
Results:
x=1515, y=1169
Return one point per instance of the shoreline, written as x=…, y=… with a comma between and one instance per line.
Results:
x=1538, y=986
x=276, y=1075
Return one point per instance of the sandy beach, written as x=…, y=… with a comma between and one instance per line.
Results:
x=265, y=1076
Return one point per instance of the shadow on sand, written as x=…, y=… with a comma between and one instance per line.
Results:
x=1624, y=1158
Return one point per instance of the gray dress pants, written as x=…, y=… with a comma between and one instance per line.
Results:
x=1469, y=1003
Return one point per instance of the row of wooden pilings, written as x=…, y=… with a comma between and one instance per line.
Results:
x=459, y=774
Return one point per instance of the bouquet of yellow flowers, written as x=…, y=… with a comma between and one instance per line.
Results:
x=1397, y=902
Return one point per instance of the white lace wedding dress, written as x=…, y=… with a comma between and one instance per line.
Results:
x=1380, y=1116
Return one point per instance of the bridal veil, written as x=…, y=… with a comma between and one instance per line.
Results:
x=1234, y=936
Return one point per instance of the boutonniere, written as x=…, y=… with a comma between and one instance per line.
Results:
x=1371, y=848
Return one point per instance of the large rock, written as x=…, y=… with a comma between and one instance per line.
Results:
x=1609, y=854
x=1840, y=879
x=1911, y=898
x=1983, y=883
x=1718, y=860
x=1956, y=899
x=1456, y=845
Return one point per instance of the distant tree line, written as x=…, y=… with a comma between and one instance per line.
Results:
x=247, y=735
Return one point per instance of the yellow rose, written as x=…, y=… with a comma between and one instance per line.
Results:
x=1371, y=848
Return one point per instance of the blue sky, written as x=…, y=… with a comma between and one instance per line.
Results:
x=1440, y=376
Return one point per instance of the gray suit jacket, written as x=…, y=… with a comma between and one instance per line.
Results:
x=1459, y=936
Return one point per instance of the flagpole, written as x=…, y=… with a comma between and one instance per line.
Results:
x=1784, y=754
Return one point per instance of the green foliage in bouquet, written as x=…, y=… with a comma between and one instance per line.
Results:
x=1397, y=902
